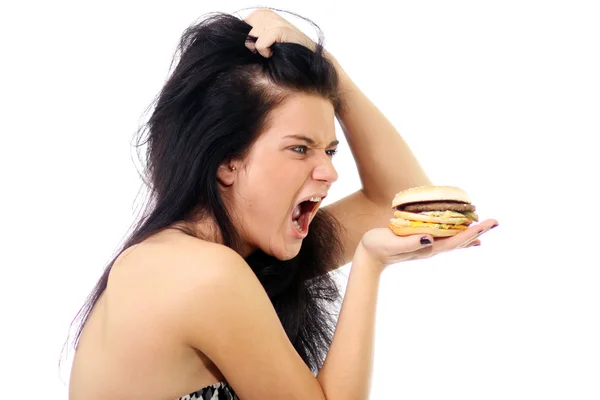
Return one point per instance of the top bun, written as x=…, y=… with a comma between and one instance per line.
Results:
x=430, y=193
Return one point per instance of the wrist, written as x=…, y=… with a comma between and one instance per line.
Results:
x=346, y=86
x=369, y=263
x=342, y=76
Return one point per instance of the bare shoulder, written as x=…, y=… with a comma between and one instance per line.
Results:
x=175, y=262
x=208, y=297
x=180, y=282
x=177, y=247
x=172, y=285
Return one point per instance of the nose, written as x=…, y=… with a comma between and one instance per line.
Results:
x=324, y=171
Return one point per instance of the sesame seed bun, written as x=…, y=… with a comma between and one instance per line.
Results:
x=430, y=193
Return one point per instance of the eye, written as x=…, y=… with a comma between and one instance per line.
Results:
x=331, y=153
x=300, y=149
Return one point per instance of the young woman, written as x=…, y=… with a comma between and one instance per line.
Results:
x=222, y=289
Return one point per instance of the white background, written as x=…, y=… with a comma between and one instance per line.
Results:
x=499, y=98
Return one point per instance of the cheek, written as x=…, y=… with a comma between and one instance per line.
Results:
x=272, y=185
x=266, y=198
x=278, y=175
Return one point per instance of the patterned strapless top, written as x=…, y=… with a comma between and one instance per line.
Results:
x=218, y=391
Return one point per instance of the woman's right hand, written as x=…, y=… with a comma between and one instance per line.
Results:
x=270, y=27
x=382, y=247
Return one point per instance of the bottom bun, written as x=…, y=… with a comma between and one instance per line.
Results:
x=407, y=231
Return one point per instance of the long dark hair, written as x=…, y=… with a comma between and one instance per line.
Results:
x=210, y=110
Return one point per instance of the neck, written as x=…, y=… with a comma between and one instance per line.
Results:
x=208, y=230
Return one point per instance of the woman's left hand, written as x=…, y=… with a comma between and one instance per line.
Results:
x=386, y=248
x=269, y=27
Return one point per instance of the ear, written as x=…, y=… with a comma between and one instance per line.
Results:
x=227, y=173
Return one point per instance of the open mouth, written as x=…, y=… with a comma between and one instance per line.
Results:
x=302, y=213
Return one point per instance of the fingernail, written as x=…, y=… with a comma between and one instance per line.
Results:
x=476, y=244
x=425, y=241
x=493, y=226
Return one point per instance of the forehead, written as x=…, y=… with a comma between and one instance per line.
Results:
x=302, y=114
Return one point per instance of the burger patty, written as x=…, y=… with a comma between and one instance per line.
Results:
x=438, y=206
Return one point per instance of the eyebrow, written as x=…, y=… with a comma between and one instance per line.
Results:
x=310, y=141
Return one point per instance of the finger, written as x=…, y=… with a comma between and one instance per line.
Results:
x=458, y=242
x=474, y=243
x=250, y=43
x=266, y=40
x=410, y=244
x=471, y=240
x=483, y=228
x=465, y=237
x=423, y=252
x=410, y=248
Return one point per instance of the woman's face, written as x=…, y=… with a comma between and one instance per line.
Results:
x=277, y=189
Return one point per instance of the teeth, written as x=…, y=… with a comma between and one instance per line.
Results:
x=297, y=225
x=315, y=199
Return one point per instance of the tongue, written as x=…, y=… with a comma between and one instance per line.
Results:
x=302, y=221
x=296, y=213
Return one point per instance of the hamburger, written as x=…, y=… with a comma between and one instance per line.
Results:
x=439, y=211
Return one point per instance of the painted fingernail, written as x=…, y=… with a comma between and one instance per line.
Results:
x=425, y=241
x=476, y=244
x=493, y=226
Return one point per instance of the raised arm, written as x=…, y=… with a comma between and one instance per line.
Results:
x=385, y=163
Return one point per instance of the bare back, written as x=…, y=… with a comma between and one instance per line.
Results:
x=130, y=347
x=171, y=296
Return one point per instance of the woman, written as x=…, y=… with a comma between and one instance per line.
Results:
x=222, y=289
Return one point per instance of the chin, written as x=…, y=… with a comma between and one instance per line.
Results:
x=286, y=252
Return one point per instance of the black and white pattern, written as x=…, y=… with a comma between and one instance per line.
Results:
x=218, y=391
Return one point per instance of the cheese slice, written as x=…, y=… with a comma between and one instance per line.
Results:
x=416, y=224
